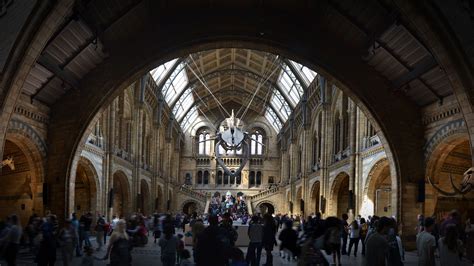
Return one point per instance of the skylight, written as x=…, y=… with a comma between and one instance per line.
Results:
x=190, y=117
x=160, y=72
x=307, y=74
x=273, y=119
x=280, y=105
x=290, y=85
x=175, y=84
x=183, y=104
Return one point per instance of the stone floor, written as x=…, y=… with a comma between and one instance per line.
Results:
x=150, y=255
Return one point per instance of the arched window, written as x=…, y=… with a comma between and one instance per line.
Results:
x=256, y=143
x=201, y=144
x=314, y=154
x=226, y=179
x=232, y=180
x=259, y=178
x=252, y=178
x=199, y=177
x=207, y=149
x=337, y=134
x=206, y=177
x=188, y=179
x=238, y=180
x=219, y=177
x=300, y=160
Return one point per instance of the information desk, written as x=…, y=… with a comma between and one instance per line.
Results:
x=242, y=239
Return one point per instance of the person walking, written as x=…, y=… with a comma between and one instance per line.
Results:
x=255, y=233
x=354, y=237
x=334, y=238
x=288, y=238
x=12, y=240
x=268, y=240
x=209, y=249
x=99, y=231
x=426, y=244
x=377, y=244
x=344, y=233
x=119, y=248
x=169, y=245
x=67, y=240
x=450, y=247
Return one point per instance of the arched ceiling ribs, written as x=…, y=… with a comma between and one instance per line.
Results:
x=230, y=92
x=194, y=83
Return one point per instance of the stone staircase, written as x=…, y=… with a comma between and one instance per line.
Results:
x=264, y=194
x=193, y=194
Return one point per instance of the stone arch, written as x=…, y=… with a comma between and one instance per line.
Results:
x=86, y=188
x=159, y=199
x=450, y=130
x=298, y=198
x=24, y=130
x=122, y=202
x=452, y=156
x=314, y=205
x=190, y=206
x=145, y=197
x=339, y=196
x=378, y=179
x=265, y=206
x=124, y=69
x=22, y=186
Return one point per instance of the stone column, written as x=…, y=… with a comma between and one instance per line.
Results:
x=353, y=156
x=109, y=157
x=325, y=145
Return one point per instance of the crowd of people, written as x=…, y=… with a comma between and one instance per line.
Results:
x=309, y=241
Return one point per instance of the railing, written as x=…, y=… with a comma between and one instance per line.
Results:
x=190, y=192
x=265, y=193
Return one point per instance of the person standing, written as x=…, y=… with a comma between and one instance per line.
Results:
x=75, y=225
x=364, y=228
x=209, y=249
x=12, y=240
x=344, y=233
x=334, y=238
x=354, y=235
x=268, y=240
x=450, y=247
x=169, y=245
x=376, y=246
x=255, y=233
x=99, y=231
x=469, y=230
x=67, y=240
x=426, y=244
x=119, y=249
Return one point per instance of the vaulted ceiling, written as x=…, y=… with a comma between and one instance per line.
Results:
x=233, y=75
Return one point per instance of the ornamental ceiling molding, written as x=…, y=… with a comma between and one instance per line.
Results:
x=449, y=129
x=23, y=129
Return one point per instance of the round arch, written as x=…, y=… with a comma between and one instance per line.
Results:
x=86, y=187
x=339, y=196
x=314, y=206
x=318, y=55
x=451, y=156
x=122, y=195
x=190, y=206
x=264, y=207
x=21, y=185
x=377, y=191
x=145, y=197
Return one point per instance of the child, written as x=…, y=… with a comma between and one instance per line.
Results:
x=180, y=248
x=185, y=258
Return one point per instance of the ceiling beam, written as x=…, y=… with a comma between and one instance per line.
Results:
x=47, y=62
x=228, y=91
x=235, y=71
x=421, y=68
x=297, y=74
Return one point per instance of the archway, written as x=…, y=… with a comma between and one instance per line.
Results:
x=340, y=195
x=315, y=197
x=145, y=204
x=121, y=202
x=190, y=207
x=298, y=198
x=378, y=192
x=85, y=188
x=266, y=207
x=159, y=199
x=451, y=157
x=18, y=190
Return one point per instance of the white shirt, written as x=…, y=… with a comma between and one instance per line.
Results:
x=424, y=242
x=354, y=233
x=114, y=222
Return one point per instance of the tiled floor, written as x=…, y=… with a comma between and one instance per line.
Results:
x=150, y=255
